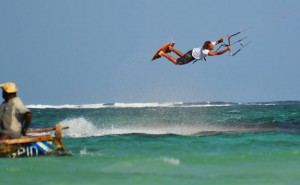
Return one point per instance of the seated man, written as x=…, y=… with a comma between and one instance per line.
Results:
x=196, y=53
x=15, y=118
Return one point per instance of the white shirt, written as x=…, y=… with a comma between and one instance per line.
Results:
x=199, y=53
x=12, y=116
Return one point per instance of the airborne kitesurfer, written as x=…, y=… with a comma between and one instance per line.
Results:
x=195, y=54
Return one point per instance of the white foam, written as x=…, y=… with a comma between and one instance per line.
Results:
x=207, y=105
x=126, y=105
x=141, y=105
x=67, y=106
x=171, y=160
x=80, y=127
x=84, y=152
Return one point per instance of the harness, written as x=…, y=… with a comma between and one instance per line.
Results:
x=196, y=60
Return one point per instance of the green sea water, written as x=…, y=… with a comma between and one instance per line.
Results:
x=220, y=143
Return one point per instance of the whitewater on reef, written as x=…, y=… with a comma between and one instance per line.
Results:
x=176, y=118
x=155, y=104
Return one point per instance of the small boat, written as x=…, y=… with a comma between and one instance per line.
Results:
x=31, y=146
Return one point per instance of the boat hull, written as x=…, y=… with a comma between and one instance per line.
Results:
x=32, y=146
x=40, y=148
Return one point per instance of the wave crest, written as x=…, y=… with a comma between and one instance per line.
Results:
x=129, y=105
x=80, y=127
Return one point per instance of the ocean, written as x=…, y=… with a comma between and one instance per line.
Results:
x=167, y=144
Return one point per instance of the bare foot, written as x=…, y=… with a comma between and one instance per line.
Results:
x=161, y=53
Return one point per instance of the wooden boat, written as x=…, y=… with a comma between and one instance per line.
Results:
x=30, y=146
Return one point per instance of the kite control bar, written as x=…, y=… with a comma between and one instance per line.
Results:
x=229, y=37
x=237, y=42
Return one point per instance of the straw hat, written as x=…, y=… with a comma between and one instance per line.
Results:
x=9, y=87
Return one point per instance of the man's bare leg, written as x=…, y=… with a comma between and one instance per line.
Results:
x=169, y=57
x=180, y=54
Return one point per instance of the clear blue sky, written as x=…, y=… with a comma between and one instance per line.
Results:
x=92, y=51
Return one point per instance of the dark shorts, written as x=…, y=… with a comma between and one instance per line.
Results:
x=188, y=57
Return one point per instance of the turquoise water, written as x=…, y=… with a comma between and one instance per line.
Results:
x=172, y=143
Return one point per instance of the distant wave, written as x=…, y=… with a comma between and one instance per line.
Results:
x=164, y=104
x=127, y=105
x=67, y=106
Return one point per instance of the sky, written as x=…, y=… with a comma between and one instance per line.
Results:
x=90, y=51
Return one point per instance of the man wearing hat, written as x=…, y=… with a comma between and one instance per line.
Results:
x=15, y=118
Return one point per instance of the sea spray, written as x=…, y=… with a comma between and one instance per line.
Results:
x=79, y=127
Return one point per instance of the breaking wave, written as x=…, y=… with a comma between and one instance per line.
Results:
x=80, y=127
x=130, y=105
x=158, y=104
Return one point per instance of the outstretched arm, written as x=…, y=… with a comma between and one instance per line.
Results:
x=213, y=53
x=220, y=41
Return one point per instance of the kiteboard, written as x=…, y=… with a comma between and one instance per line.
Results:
x=164, y=48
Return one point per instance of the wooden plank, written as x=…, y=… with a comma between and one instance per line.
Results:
x=43, y=130
x=27, y=139
x=59, y=145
